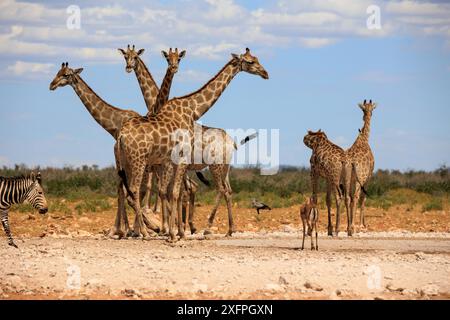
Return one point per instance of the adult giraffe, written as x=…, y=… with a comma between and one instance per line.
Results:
x=109, y=118
x=215, y=140
x=154, y=140
x=329, y=161
x=361, y=156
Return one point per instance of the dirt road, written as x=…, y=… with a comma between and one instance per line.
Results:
x=262, y=265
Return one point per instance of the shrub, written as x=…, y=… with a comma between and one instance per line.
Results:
x=434, y=204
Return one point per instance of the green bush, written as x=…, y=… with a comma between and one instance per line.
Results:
x=434, y=204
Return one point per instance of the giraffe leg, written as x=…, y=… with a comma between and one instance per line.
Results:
x=328, y=200
x=363, y=224
x=312, y=237
x=136, y=180
x=228, y=192
x=315, y=227
x=148, y=190
x=163, y=185
x=353, y=204
x=5, y=223
x=304, y=232
x=220, y=192
x=191, y=212
x=117, y=228
x=212, y=215
x=175, y=203
x=338, y=213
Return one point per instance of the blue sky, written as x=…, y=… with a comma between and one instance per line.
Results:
x=321, y=57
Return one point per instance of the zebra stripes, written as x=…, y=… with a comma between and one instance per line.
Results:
x=16, y=190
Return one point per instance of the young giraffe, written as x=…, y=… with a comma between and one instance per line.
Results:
x=107, y=116
x=360, y=154
x=329, y=161
x=309, y=214
x=215, y=139
x=149, y=141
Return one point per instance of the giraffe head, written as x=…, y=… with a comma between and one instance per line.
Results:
x=173, y=58
x=131, y=56
x=65, y=76
x=367, y=106
x=250, y=64
x=313, y=139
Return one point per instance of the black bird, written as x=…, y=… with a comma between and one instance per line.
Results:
x=259, y=205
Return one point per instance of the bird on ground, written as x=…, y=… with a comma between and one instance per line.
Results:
x=260, y=206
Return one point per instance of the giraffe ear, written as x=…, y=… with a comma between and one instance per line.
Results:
x=121, y=51
x=140, y=51
x=78, y=71
x=361, y=106
x=164, y=54
x=374, y=105
x=182, y=54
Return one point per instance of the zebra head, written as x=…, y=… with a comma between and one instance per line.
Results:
x=35, y=195
x=65, y=76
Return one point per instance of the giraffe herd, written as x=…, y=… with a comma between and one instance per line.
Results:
x=159, y=145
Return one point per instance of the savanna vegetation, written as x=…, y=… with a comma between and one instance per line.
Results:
x=91, y=189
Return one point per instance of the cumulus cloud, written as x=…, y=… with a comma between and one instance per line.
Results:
x=208, y=29
x=29, y=69
x=316, y=42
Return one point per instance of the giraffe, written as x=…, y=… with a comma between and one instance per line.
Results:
x=109, y=118
x=148, y=85
x=173, y=59
x=150, y=92
x=133, y=62
x=329, y=161
x=217, y=140
x=361, y=157
x=155, y=140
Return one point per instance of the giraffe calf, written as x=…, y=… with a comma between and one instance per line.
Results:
x=309, y=215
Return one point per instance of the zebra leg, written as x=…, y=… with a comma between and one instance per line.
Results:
x=5, y=223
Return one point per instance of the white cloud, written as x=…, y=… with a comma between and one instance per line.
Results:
x=316, y=42
x=29, y=69
x=417, y=8
x=213, y=51
x=224, y=10
x=193, y=76
x=209, y=29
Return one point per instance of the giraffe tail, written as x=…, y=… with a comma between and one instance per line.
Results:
x=121, y=163
x=355, y=174
x=202, y=178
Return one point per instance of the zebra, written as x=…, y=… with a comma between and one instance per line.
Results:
x=14, y=190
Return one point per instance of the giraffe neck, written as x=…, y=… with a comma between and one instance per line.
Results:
x=147, y=84
x=109, y=117
x=204, y=98
x=363, y=137
x=164, y=91
x=365, y=131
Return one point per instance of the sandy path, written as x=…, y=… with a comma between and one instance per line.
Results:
x=249, y=265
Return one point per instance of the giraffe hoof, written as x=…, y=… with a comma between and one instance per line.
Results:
x=207, y=232
x=193, y=230
x=229, y=234
x=12, y=244
x=115, y=234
